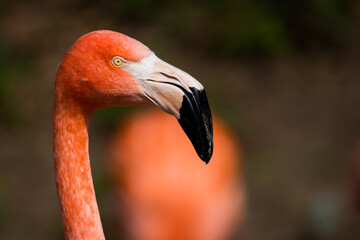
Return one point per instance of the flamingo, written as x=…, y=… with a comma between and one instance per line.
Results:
x=169, y=196
x=106, y=68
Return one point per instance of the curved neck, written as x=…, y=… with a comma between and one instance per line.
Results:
x=79, y=210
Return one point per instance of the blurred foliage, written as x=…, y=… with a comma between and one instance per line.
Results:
x=244, y=27
x=106, y=119
x=13, y=66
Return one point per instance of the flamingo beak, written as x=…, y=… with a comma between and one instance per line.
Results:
x=178, y=94
x=195, y=119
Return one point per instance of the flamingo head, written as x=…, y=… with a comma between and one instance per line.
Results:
x=106, y=68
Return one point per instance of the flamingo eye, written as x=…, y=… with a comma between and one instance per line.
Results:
x=117, y=61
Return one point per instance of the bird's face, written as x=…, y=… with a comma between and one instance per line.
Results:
x=106, y=68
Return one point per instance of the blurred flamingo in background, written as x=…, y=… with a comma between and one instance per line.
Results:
x=106, y=68
x=165, y=193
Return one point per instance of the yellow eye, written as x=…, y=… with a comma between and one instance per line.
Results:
x=117, y=61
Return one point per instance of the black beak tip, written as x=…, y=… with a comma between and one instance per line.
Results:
x=201, y=140
x=203, y=146
x=196, y=121
x=206, y=155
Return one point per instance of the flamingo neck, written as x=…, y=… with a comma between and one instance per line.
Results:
x=75, y=189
